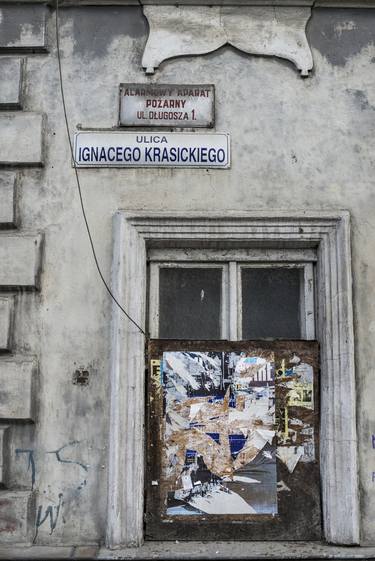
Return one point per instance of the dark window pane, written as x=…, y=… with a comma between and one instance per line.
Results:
x=189, y=303
x=270, y=303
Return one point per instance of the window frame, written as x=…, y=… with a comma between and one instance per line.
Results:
x=327, y=232
x=307, y=299
x=153, y=299
x=231, y=303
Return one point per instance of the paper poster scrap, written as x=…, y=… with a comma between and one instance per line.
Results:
x=295, y=434
x=219, y=433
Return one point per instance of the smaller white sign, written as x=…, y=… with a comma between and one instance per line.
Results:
x=126, y=149
x=167, y=105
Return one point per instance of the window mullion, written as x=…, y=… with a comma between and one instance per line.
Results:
x=233, y=301
x=225, y=311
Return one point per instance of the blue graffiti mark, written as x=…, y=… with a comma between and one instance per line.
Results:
x=53, y=518
x=30, y=463
x=373, y=440
x=62, y=460
x=373, y=476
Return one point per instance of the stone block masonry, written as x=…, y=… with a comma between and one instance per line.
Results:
x=23, y=28
x=23, y=31
x=6, y=322
x=15, y=508
x=21, y=142
x=7, y=196
x=20, y=256
x=16, y=382
x=11, y=70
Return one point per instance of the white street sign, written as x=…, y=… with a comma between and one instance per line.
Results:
x=126, y=149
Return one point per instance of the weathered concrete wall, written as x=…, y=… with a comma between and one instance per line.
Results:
x=296, y=144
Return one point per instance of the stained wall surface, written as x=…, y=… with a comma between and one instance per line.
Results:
x=297, y=144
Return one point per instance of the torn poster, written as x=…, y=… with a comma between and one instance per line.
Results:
x=295, y=405
x=219, y=433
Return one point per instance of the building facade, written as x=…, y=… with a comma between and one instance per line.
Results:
x=275, y=176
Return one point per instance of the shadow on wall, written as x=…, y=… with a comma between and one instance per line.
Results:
x=339, y=34
x=95, y=27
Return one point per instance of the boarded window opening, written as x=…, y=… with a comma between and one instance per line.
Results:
x=233, y=441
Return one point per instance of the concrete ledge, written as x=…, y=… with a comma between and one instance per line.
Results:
x=319, y=3
x=20, y=258
x=21, y=139
x=8, y=217
x=22, y=28
x=6, y=323
x=15, y=510
x=194, y=550
x=16, y=393
x=11, y=70
x=37, y=552
x=238, y=550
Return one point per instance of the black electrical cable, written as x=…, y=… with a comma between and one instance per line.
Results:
x=78, y=182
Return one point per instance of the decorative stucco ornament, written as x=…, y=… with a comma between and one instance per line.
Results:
x=197, y=30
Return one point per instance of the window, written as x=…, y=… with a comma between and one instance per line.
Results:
x=327, y=235
x=194, y=295
x=213, y=469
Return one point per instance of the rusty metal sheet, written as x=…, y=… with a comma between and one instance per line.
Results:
x=233, y=440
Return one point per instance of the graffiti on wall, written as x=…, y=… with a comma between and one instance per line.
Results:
x=50, y=515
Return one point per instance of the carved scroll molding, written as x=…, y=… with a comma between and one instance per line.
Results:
x=197, y=30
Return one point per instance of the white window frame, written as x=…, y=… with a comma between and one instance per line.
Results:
x=328, y=233
x=231, y=298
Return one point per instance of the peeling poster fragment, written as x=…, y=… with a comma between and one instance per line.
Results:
x=290, y=455
x=219, y=433
x=295, y=395
x=156, y=374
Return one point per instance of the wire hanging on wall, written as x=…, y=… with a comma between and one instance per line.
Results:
x=79, y=184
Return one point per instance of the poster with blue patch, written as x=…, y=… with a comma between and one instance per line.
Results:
x=219, y=433
x=232, y=440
